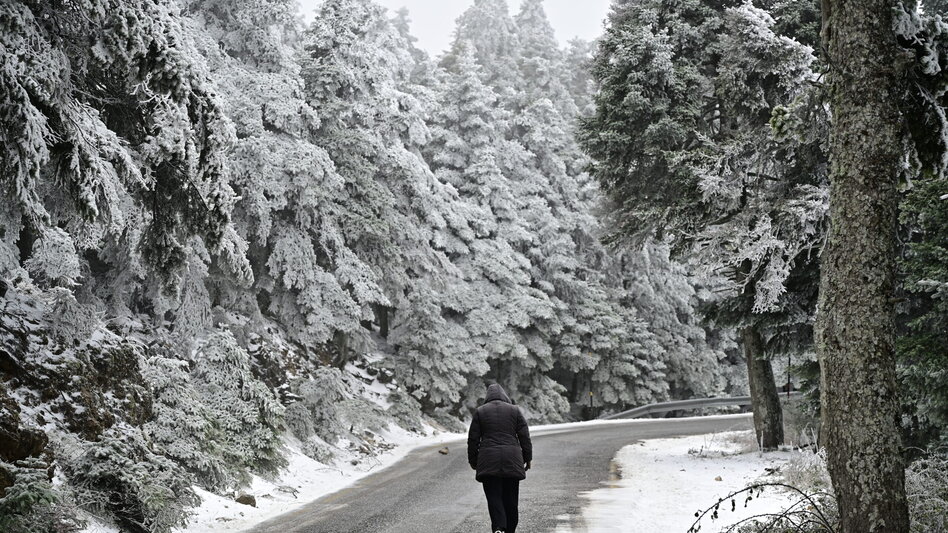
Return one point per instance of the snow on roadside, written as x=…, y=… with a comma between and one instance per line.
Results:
x=661, y=483
x=304, y=481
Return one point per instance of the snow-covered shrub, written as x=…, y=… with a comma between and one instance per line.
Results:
x=246, y=417
x=448, y=420
x=926, y=484
x=122, y=476
x=809, y=515
x=810, y=512
x=359, y=415
x=318, y=408
x=69, y=321
x=299, y=421
x=405, y=409
x=31, y=504
x=316, y=448
x=743, y=442
x=330, y=409
x=182, y=427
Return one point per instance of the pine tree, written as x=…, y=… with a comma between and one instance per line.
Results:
x=661, y=289
x=487, y=31
x=922, y=324
x=922, y=358
x=855, y=329
x=543, y=169
x=580, y=81
x=289, y=189
x=401, y=220
x=511, y=319
x=682, y=144
x=116, y=146
x=542, y=68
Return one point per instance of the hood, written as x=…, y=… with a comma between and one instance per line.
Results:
x=496, y=392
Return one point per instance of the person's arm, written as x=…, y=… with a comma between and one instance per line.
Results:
x=473, y=440
x=523, y=434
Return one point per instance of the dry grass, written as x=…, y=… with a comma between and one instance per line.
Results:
x=926, y=484
x=800, y=426
x=806, y=470
x=744, y=442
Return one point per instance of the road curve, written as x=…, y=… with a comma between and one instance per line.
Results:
x=436, y=493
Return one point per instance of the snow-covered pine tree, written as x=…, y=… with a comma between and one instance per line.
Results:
x=401, y=220
x=580, y=82
x=511, y=319
x=544, y=170
x=922, y=358
x=423, y=65
x=622, y=362
x=543, y=72
x=703, y=164
x=293, y=202
x=259, y=34
x=661, y=289
x=776, y=181
x=487, y=31
x=626, y=367
x=923, y=324
x=116, y=147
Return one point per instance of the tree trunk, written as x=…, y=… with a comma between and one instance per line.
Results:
x=341, y=341
x=768, y=415
x=382, y=316
x=855, y=329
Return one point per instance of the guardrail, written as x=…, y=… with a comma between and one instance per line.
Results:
x=687, y=405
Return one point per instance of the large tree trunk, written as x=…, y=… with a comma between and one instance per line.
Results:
x=855, y=329
x=765, y=402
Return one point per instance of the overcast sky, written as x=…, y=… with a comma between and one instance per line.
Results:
x=433, y=20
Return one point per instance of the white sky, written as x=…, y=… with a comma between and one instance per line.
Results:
x=433, y=20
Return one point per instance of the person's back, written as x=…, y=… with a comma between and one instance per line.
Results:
x=499, y=449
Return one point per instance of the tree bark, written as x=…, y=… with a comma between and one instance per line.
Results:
x=765, y=401
x=340, y=340
x=855, y=329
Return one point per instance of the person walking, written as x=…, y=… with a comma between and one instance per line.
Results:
x=499, y=449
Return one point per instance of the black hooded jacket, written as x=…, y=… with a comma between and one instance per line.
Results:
x=498, y=443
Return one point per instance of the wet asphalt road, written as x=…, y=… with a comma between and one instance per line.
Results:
x=432, y=493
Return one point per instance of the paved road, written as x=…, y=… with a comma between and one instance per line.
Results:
x=429, y=492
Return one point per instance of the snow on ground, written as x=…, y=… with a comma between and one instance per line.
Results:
x=95, y=525
x=304, y=481
x=659, y=485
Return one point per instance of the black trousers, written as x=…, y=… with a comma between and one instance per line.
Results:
x=502, y=495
